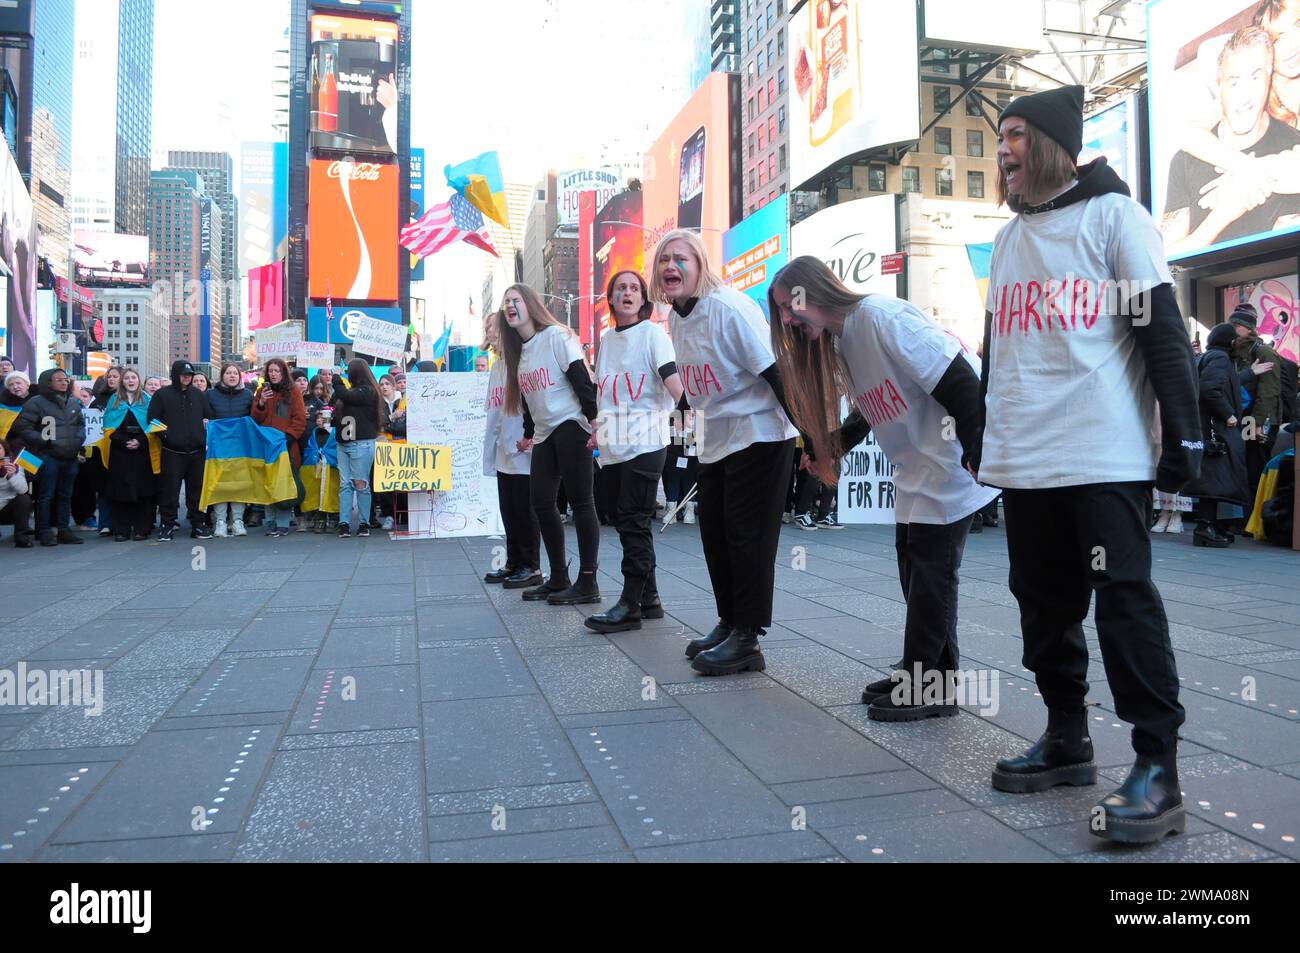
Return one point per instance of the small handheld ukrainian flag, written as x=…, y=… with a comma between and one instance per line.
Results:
x=479, y=181
x=28, y=461
x=156, y=426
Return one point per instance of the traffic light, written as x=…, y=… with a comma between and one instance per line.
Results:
x=55, y=357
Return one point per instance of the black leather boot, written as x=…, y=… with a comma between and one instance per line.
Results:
x=581, y=593
x=740, y=653
x=557, y=583
x=621, y=617
x=705, y=642
x=913, y=702
x=1207, y=534
x=1063, y=755
x=525, y=578
x=1147, y=806
x=498, y=576
x=651, y=607
x=878, y=690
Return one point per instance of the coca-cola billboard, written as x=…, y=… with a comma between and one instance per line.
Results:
x=352, y=222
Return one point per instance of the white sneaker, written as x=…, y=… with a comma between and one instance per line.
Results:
x=1175, y=524
x=219, y=529
x=239, y=529
x=388, y=523
x=1162, y=524
x=690, y=513
x=670, y=514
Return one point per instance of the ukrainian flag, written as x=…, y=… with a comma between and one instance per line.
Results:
x=479, y=181
x=319, y=474
x=980, y=256
x=7, y=417
x=114, y=414
x=1267, y=487
x=28, y=461
x=246, y=464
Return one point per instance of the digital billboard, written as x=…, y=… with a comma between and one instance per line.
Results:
x=263, y=203
x=103, y=258
x=756, y=249
x=352, y=230
x=606, y=183
x=353, y=73
x=851, y=238
x=265, y=296
x=617, y=245
x=1223, y=122
x=1113, y=133
x=853, y=66
x=346, y=319
x=416, y=167
x=687, y=181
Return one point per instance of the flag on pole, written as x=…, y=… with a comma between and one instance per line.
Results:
x=479, y=181
x=329, y=313
x=447, y=222
x=440, y=345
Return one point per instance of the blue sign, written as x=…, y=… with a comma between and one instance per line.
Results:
x=754, y=250
x=417, y=205
x=345, y=317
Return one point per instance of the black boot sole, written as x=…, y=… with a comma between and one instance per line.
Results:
x=911, y=712
x=537, y=596
x=1144, y=831
x=652, y=612
x=590, y=600
x=531, y=583
x=631, y=625
x=1078, y=775
x=1212, y=544
x=750, y=663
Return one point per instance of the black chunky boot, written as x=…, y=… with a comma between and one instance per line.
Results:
x=1063, y=755
x=623, y=616
x=740, y=653
x=878, y=690
x=1147, y=806
x=558, y=582
x=583, y=592
x=705, y=642
x=524, y=578
x=651, y=607
x=498, y=576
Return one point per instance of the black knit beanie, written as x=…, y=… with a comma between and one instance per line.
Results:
x=1057, y=112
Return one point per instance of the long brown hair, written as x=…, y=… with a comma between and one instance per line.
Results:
x=1048, y=166
x=286, y=382
x=121, y=385
x=512, y=345
x=811, y=370
x=360, y=375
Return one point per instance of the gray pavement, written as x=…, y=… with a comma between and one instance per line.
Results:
x=319, y=699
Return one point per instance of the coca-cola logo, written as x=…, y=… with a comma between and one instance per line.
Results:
x=354, y=171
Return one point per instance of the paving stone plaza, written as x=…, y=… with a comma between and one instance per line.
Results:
x=312, y=699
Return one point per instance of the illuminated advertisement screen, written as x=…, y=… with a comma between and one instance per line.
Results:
x=416, y=208
x=263, y=203
x=687, y=172
x=1113, y=133
x=343, y=327
x=353, y=84
x=1223, y=122
x=756, y=249
x=617, y=240
x=853, y=68
x=104, y=258
x=851, y=238
x=606, y=183
x=351, y=230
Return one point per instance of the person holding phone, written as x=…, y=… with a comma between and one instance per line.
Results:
x=638, y=385
x=746, y=445
x=548, y=383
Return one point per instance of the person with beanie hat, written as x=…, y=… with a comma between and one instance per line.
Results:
x=1082, y=337
x=1260, y=370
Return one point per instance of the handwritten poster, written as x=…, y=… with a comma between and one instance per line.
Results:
x=866, y=488
x=94, y=425
x=404, y=467
x=448, y=410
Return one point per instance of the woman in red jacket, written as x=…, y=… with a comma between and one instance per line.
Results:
x=279, y=405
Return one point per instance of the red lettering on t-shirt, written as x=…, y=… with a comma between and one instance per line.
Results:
x=496, y=398
x=1033, y=295
x=882, y=404
x=698, y=378
x=1024, y=305
x=535, y=381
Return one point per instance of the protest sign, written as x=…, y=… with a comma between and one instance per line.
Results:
x=403, y=467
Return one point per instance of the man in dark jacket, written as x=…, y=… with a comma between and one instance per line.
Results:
x=51, y=427
x=1260, y=370
x=185, y=411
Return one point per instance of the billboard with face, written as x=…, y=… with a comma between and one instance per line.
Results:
x=617, y=245
x=353, y=74
x=1225, y=95
x=352, y=228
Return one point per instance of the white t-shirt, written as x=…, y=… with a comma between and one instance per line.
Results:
x=633, y=401
x=1068, y=401
x=894, y=356
x=551, y=400
x=722, y=348
x=500, y=454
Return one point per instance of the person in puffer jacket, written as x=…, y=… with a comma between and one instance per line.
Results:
x=51, y=426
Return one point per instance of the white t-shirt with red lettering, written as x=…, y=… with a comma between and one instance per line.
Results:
x=542, y=363
x=633, y=401
x=894, y=356
x=722, y=347
x=1068, y=399
x=500, y=455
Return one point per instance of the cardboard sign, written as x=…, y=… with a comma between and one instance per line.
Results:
x=281, y=342
x=379, y=338
x=94, y=425
x=405, y=467
x=314, y=354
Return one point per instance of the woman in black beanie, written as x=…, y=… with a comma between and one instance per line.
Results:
x=1223, y=467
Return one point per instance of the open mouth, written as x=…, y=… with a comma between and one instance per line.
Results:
x=1010, y=168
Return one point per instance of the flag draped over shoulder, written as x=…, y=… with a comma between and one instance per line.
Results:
x=246, y=464
x=319, y=474
x=114, y=414
x=7, y=417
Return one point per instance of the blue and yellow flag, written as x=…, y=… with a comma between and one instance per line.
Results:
x=319, y=474
x=479, y=181
x=28, y=461
x=1267, y=487
x=246, y=464
x=7, y=417
x=980, y=256
x=114, y=414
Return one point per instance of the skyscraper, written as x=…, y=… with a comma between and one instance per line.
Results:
x=134, y=114
x=185, y=229
x=724, y=19
x=51, y=127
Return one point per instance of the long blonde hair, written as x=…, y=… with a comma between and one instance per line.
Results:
x=811, y=370
x=709, y=281
x=512, y=345
x=121, y=385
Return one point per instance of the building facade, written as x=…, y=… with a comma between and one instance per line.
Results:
x=136, y=328
x=185, y=227
x=724, y=23
x=53, y=56
x=760, y=39
x=134, y=142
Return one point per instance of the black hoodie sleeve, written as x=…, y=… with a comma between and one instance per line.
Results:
x=974, y=452
x=530, y=427
x=584, y=387
x=854, y=430
x=958, y=392
x=1158, y=327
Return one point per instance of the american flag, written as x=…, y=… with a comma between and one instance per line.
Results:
x=453, y=220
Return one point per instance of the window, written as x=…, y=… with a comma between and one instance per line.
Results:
x=1004, y=100
x=973, y=105
x=942, y=98
x=771, y=168
x=762, y=174
x=771, y=90
x=751, y=108
x=761, y=144
x=759, y=23
x=876, y=177
x=771, y=53
x=751, y=145
x=942, y=141
x=762, y=90
x=771, y=128
x=781, y=153
x=780, y=118
x=749, y=39
x=780, y=79
x=940, y=61
x=751, y=180
x=975, y=185
x=769, y=16
x=975, y=143
x=943, y=181
x=760, y=62
x=780, y=43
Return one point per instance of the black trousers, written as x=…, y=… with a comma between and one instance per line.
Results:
x=18, y=512
x=679, y=481
x=1065, y=544
x=522, y=542
x=929, y=557
x=564, y=457
x=740, y=526
x=813, y=493
x=178, y=468
x=134, y=517
x=633, y=484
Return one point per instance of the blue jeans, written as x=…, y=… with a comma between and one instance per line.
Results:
x=55, y=478
x=356, y=458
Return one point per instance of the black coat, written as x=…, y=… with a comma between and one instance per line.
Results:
x=225, y=404
x=183, y=411
x=130, y=472
x=1223, y=477
x=64, y=410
